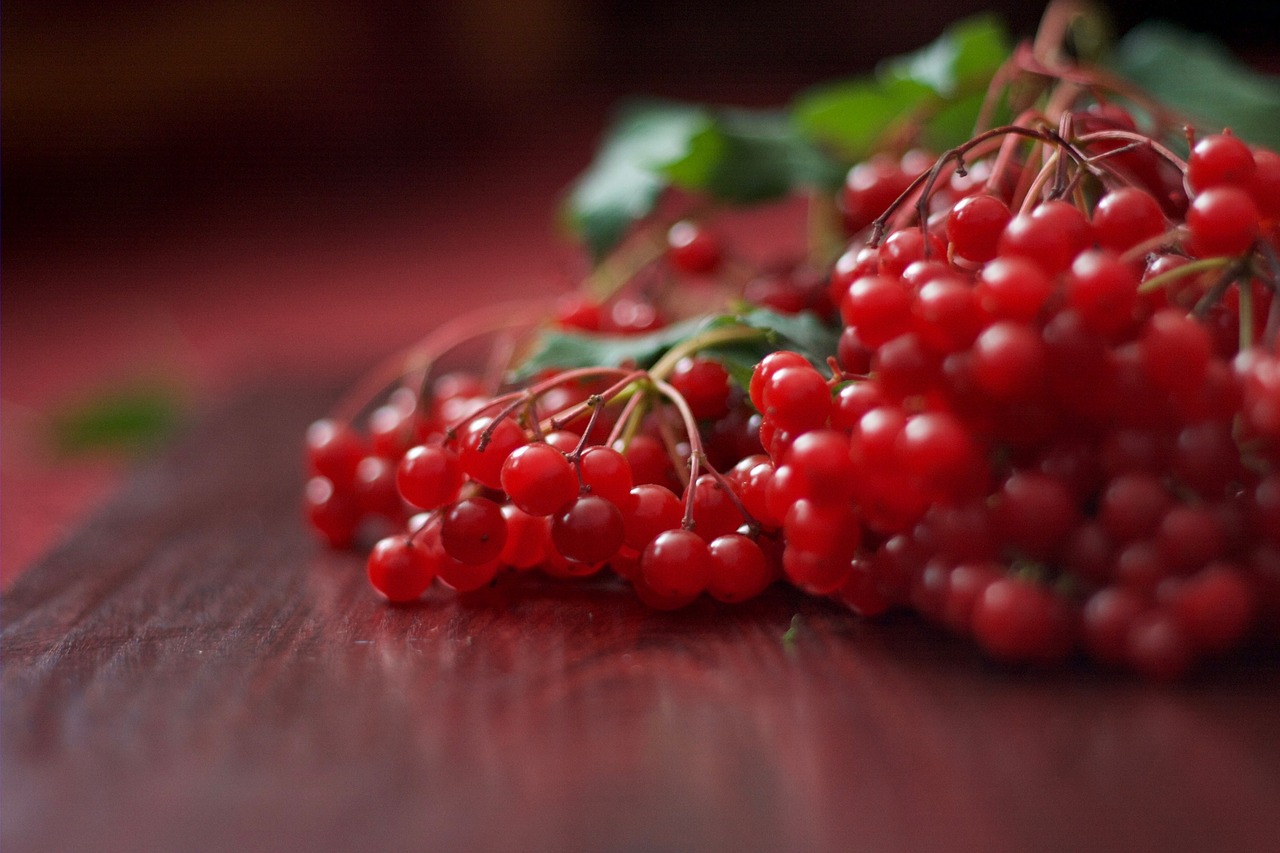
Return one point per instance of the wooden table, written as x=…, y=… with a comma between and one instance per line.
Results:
x=190, y=672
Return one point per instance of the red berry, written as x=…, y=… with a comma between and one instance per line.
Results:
x=1223, y=221
x=484, y=464
x=1050, y=236
x=739, y=569
x=1016, y=621
x=473, y=531
x=974, y=226
x=1126, y=217
x=607, y=474
x=1008, y=360
x=704, y=384
x=692, y=249
x=797, y=399
x=539, y=479
x=1102, y=291
x=653, y=510
x=429, y=476
x=334, y=450
x=1217, y=160
x=769, y=365
x=400, y=569
x=589, y=530
x=677, y=563
x=1012, y=288
x=332, y=513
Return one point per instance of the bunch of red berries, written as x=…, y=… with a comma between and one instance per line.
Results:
x=1030, y=390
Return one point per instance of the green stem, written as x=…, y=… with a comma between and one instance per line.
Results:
x=704, y=340
x=1183, y=271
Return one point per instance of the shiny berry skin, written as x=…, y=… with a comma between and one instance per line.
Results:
x=332, y=513
x=526, y=541
x=1012, y=288
x=334, y=450
x=870, y=187
x=1035, y=513
x=797, y=399
x=473, y=531
x=485, y=465
x=878, y=307
x=974, y=227
x=1018, y=622
x=654, y=509
x=704, y=384
x=1103, y=291
x=769, y=365
x=400, y=569
x=691, y=249
x=903, y=248
x=739, y=569
x=1125, y=217
x=677, y=563
x=429, y=476
x=1050, y=236
x=1265, y=186
x=1157, y=647
x=1218, y=160
x=1008, y=360
x=589, y=530
x=606, y=473
x=539, y=479
x=821, y=460
x=1223, y=221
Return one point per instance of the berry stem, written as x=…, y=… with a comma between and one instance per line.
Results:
x=704, y=340
x=1193, y=268
x=695, y=443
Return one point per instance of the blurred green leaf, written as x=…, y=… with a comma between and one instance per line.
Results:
x=942, y=85
x=119, y=420
x=565, y=350
x=624, y=182
x=1197, y=76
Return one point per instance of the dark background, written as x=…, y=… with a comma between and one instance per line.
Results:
x=121, y=117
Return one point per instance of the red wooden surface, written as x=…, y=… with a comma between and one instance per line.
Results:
x=190, y=672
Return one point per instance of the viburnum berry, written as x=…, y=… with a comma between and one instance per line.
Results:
x=692, y=249
x=677, y=563
x=870, y=187
x=429, y=476
x=473, y=530
x=1019, y=622
x=704, y=384
x=903, y=248
x=1009, y=360
x=974, y=226
x=400, y=569
x=539, y=479
x=1012, y=288
x=1050, y=236
x=739, y=569
x=797, y=398
x=878, y=307
x=482, y=458
x=606, y=473
x=653, y=509
x=1125, y=217
x=334, y=514
x=1223, y=220
x=1220, y=159
x=334, y=450
x=589, y=530
x=525, y=545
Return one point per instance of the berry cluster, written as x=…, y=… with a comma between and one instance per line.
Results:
x=1051, y=423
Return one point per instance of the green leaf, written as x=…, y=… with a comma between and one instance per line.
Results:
x=121, y=420
x=960, y=61
x=852, y=116
x=940, y=84
x=1195, y=75
x=566, y=350
x=629, y=173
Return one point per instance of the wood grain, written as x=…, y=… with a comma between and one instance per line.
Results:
x=190, y=672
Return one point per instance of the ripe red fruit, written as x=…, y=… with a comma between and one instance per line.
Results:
x=429, y=476
x=333, y=514
x=769, y=365
x=485, y=464
x=797, y=399
x=1008, y=360
x=1218, y=160
x=878, y=307
x=334, y=450
x=704, y=384
x=539, y=479
x=473, y=531
x=1103, y=292
x=692, y=249
x=1034, y=513
x=739, y=569
x=400, y=569
x=1215, y=607
x=677, y=563
x=870, y=187
x=1050, y=236
x=1019, y=622
x=654, y=509
x=974, y=226
x=1223, y=221
x=1012, y=288
x=589, y=530
x=1125, y=217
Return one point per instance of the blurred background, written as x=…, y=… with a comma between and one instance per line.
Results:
x=199, y=194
